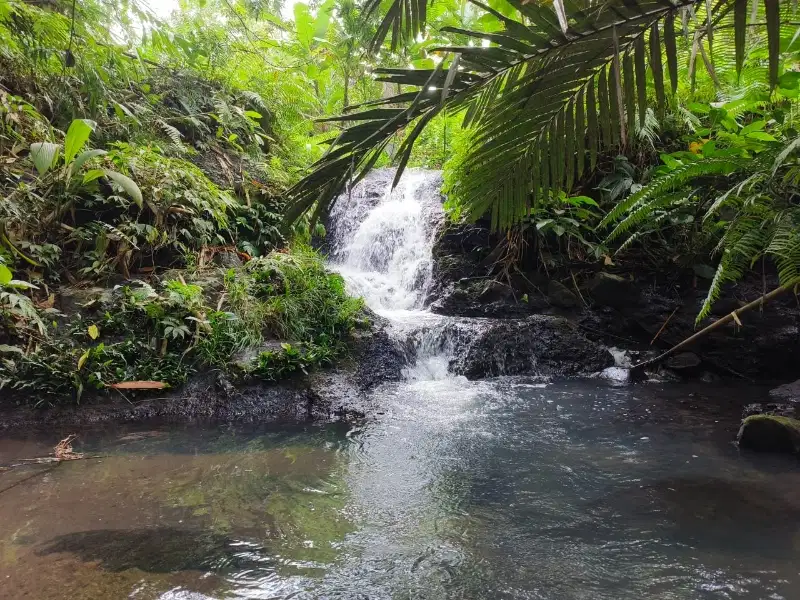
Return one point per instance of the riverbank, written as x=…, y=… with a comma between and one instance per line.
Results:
x=432, y=314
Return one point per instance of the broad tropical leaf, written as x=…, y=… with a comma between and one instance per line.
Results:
x=44, y=155
x=127, y=184
x=77, y=136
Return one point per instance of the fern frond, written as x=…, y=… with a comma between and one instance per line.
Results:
x=671, y=181
x=172, y=133
x=644, y=211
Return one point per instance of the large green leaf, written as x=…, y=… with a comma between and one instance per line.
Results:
x=44, y=155
x=5, y=275
x=127, y=184
x=304, y=24
x=77, y=136
x=524, y=96
x=82, y=158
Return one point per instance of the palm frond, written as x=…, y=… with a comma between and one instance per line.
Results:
x=537, y=99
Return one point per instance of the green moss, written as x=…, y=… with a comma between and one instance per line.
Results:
x=787, y=422
x=770, y=433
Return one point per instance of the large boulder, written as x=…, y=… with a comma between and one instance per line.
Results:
x=607, y=289
x=770, y=433
x=560, y=295
x=537, y=345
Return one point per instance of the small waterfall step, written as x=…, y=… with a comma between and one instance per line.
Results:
x=382, y=244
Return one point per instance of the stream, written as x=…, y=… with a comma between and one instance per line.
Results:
x=505, y=488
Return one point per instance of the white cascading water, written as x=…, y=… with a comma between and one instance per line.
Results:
x=382, y=245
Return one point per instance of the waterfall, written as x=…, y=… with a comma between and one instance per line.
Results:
x=383, y=239
x=382, y=244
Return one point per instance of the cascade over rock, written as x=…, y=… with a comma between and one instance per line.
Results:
x=388, y=246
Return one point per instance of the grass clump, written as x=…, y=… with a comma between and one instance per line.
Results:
x=165, y=330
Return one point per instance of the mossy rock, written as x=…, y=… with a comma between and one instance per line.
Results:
x=770, y=433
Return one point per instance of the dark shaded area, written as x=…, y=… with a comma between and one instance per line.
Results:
x=628, y=304
x=159, y=550
x=711, y=513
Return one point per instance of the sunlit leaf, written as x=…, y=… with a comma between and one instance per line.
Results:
x=77, y=136
x=44, y=155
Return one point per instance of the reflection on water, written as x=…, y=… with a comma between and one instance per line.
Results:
x=462, y=490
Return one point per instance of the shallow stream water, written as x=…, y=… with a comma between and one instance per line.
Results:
x=507, y=488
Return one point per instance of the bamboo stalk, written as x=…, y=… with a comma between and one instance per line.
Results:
x=715, y=325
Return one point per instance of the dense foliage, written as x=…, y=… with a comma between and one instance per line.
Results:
x=574, y=107
x=147, y=159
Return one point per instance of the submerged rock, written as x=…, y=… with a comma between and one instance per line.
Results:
x=538, y=345
x=770, y=433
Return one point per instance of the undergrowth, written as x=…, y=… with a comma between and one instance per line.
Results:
x=285, y=307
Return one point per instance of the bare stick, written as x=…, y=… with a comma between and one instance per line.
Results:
x=715, y=325
x=669, y=318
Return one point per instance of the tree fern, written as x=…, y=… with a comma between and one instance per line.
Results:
x=761, y=192
x=743, y=244
x=667, y=183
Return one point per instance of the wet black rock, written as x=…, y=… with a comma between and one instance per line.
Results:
x=684, y=362
x=607, y=289
x=484, y=298
x=779, y=409
x=560, y=295
x=770, y=433
x=538, y=345
x=785, y=404
x=788, y=392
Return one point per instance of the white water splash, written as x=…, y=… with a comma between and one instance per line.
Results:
x=383, y=248
x=383, y=243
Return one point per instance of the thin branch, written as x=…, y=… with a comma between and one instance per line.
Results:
x=715, y=325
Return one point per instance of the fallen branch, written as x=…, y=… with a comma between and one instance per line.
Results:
x=669, y=318
x=734, y=316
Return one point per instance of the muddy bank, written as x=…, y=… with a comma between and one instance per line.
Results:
x=325, y=395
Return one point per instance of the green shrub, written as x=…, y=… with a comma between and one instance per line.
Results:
x=167, y=331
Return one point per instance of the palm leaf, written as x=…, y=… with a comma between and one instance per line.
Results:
x=522, y=97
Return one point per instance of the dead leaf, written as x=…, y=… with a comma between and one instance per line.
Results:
x=139, y=385
x=63, y=450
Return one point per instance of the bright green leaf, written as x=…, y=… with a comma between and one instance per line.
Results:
x=5, y=275
x=81, y=159
x=77, y=136
x=82, y=360
x=762, y=136
x=127, y=184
